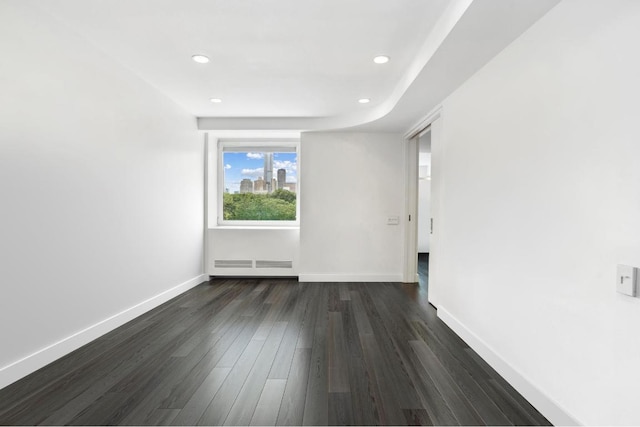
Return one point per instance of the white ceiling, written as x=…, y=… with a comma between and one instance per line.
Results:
x=303, y=58
x=299, y=64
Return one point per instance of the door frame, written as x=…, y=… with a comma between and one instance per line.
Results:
x=411, y=150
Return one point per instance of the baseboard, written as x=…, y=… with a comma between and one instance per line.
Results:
x=543, y=403
x=320, y=277
x=23, y=367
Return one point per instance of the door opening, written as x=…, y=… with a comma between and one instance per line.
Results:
x=424, y=214
x=419, y=220
x=424, y=183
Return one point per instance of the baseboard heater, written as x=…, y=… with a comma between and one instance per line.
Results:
x=252, y=267
x=233, y=263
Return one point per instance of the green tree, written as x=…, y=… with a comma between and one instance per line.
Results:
x=286, y=195
x=278, y=206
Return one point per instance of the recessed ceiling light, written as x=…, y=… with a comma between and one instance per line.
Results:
x=216, y=100
x=381, y=59
x=364, y=100
x=200, y=59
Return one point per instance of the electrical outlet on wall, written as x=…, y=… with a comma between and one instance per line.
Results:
x=627, y=280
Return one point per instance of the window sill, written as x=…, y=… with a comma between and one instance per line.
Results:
x=254, y=227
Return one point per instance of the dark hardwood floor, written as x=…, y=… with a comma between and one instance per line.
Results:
x=423, y=270
x=273, y=352
x=419, y=291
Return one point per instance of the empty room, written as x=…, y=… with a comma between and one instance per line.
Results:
x=319, y=212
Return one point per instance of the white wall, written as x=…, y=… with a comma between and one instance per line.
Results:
x=541, y=200
x=101, y=186
x=352, y=183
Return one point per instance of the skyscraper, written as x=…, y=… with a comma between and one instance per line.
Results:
x=258, y=185
x=268, y=171
x=282, y=178
x=246, y=186
x=291, y=186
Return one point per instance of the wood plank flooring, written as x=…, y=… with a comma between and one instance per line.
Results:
x=274, y=352
x=419, y=291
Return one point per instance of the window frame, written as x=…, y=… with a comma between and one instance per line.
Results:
x=255, y=146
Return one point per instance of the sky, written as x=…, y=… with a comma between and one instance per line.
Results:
x=238, y=166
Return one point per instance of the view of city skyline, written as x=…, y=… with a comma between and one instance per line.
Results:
x=259, y=172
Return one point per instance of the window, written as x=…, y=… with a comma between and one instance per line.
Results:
x=258, y=184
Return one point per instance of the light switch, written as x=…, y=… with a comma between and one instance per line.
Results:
x=393, y=220
x=627, y=280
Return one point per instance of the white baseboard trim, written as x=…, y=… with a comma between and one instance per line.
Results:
x=321, y=277
x=31, y=363
x=543, y=403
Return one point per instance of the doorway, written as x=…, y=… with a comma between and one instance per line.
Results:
x=424, y=210
x=418, y=243
x=423, y=187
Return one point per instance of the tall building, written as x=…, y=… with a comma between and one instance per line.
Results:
x=274, y=184
x=258, y=185
x=268, y=172
x=246, y=186
x=290, y=186
x=282, y=178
